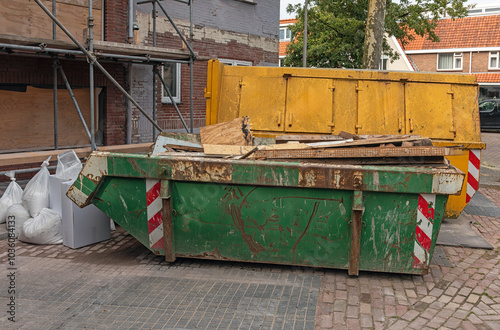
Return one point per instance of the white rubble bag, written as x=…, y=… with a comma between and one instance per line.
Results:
x=36, y=193
x=19, y=215
x=68, y=165
x=11, y=196
x=43, y=229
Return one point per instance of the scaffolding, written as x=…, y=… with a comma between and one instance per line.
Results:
x=96, y=52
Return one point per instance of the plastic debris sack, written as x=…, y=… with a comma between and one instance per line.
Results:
x=68, y=165
x=36, y=193
x=11, y=196
x=46, y=228
x=18, y=214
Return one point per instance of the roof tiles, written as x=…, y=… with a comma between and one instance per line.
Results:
x=468, y=32
x=487, y=77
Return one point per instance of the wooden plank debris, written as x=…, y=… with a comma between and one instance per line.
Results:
x=235, y=132
x=377, y=141
x=306, y=138
x=354, y=152
x=214, y=149
x=37, y=157
x=217, y=149
x=184, y=147
x=437, y=161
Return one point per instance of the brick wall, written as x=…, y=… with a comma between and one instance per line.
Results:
x=116, y=20
x=206, y=48
x=428, y=62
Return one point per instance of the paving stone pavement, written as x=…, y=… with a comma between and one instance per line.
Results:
x=120, y=284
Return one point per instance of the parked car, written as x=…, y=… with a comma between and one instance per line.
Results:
x=489, y=113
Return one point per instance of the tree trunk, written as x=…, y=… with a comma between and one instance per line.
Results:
x=374, y=36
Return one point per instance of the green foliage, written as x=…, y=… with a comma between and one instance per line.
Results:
x=336, y=28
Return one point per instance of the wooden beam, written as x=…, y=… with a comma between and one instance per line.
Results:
x=39, y=156
x=215, y=149
x=375, y=141
x=305, y=138
x=101, y=47
x=355, y=152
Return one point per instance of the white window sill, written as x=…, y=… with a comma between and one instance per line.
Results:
x=250, y=2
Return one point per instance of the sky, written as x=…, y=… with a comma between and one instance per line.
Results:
x=285, y=15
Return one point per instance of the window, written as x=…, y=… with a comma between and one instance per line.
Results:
x=235, y=62
x=285, y=34
x=450, y=61
x=494, y=63
x=172, y=78
x=491, y=10
x=383, y=62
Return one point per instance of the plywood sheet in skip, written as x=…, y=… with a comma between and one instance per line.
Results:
x=26, y=19
x=28, y=118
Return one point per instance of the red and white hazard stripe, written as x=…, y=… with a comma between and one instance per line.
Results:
x=155, y=218
x=473, y=175
x=423, y=231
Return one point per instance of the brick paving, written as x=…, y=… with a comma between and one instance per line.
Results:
x=463, y=294
x=120, y=284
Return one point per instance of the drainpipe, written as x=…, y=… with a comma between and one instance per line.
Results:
x=470, y=62
x=130, y=40
x=130, y=21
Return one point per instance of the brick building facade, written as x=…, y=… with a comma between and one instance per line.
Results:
x=467, y=45
x=236, y=32
x=243, y=31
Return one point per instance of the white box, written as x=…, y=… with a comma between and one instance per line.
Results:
x=80, y=227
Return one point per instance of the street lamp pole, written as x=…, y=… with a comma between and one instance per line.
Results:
x=304, y=50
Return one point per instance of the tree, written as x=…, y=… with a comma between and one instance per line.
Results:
x=336, y=28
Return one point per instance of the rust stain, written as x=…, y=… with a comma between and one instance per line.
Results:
x=230, y=201
x=201, y=171
x=136, y=167
x=315, y=210
x=215, y=254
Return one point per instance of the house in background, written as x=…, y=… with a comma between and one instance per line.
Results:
x=285, y=37
x=467, y=45
x=401, y=64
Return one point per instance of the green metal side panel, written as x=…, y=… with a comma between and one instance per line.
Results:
x=124, y=201
x=262, y=224
x=388, y=231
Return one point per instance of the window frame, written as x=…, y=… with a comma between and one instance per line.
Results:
x=497, y=56
x=384, y=59
x=285, y=37
x=455, y=57
x=176, y=96
x=228, y=61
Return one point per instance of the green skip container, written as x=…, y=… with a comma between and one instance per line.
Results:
x=369, y=218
